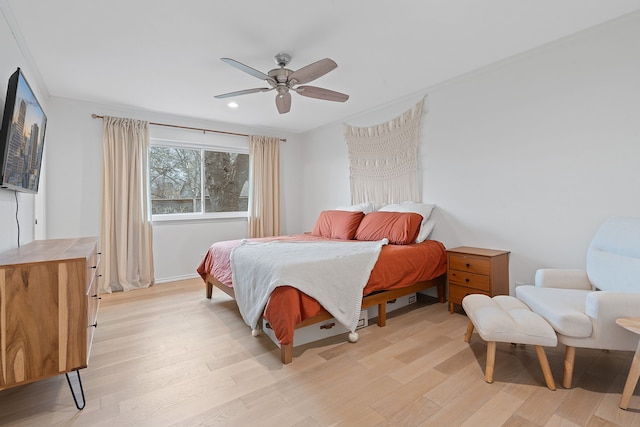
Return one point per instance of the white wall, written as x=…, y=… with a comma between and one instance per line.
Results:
x=74, y=182
x=10, y=59
x=529, y=155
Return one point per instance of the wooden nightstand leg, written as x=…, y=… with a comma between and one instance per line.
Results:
x=632, y=380
x=467, y=335
x=546, y=370
x=451, y=307
x=491, y=361
x=569, y=358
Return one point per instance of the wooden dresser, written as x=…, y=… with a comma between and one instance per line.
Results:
x=476, y=271
x=48, y=309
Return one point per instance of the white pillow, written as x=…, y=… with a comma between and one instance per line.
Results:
x=364, y=207
x=423, y=209
x=426, y=230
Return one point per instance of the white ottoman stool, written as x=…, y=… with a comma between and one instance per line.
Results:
x=507, y=319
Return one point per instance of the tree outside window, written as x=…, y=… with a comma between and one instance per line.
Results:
x=179, y=177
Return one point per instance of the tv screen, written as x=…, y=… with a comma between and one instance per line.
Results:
x=21, y=137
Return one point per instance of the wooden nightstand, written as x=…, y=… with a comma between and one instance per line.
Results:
x=476, y=271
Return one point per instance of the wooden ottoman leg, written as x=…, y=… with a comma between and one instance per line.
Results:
x=467, y=335
x=546, y=370
x=491, y=361
x=569, y=358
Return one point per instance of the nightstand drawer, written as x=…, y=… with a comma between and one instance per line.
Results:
x=456, y=293
x=470, y=264
x=470, y=280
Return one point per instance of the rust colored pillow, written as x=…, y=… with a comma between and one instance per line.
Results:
x=401, y=228
x=337, y=224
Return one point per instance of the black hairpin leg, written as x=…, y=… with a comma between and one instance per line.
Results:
x=77, y=392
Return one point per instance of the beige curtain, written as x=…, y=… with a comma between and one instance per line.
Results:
x=126, y=242
x=264, y=185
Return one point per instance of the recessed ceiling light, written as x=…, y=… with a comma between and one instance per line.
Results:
x=232, y=104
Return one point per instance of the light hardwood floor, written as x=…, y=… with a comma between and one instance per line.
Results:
x=168, y=356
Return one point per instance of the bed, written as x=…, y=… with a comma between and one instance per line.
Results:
x=400, y=269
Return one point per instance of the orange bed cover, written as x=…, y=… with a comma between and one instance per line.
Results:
x=397, y=266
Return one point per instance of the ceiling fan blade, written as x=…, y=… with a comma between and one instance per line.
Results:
x=320, y=93
x=243, y=92
x=240, y=66
x=283, y=102
x=313, y=71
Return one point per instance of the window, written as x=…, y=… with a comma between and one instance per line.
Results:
x=187, y=181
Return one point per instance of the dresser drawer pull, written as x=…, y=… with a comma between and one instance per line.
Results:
x=95, y=266
x=95, y=325
x=328, y=326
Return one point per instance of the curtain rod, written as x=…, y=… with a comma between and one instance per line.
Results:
x=95, y=116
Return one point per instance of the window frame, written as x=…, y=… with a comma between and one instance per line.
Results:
x=202, y=215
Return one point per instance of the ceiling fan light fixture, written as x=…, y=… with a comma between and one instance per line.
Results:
x=282, y=59
x=233, y=104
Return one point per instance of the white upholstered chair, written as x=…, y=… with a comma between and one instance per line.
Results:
x=582, y=306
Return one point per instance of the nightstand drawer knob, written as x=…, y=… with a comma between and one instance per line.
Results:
x=466, y=280
x=468, y=265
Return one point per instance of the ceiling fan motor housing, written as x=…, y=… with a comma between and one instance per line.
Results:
x=280, y=75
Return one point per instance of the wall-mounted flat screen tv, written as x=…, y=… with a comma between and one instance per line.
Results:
x=21, y=137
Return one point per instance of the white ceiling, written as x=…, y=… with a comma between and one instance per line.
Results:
x=164, y=56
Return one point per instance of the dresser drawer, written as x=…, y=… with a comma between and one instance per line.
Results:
x=92, y=266
x=470, y=280
x=470, y=264
x=93, y=300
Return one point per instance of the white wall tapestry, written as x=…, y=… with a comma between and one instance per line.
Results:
x=383, y=159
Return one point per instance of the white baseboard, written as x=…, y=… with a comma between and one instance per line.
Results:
x=175, y=278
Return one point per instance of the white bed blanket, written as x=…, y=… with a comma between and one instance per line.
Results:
x=334, y=273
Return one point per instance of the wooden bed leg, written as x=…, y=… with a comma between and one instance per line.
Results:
x=382, y=314
x=286, y=353
x=441, y=287
x=209, y=290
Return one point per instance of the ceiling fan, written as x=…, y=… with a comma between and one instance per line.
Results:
x=284, y=80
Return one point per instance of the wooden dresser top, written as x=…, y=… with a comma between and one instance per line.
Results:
x=49, y=250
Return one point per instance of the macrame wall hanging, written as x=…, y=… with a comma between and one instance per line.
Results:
x=383, y=160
